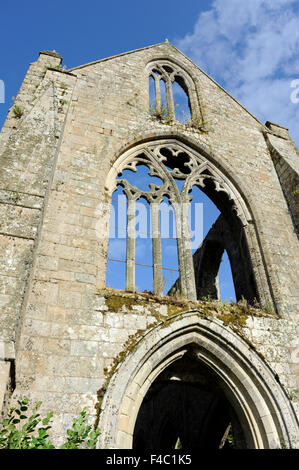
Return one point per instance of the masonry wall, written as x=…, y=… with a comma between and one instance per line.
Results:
x=285, y=158
x=68, y=365
x=28, y=144
x=55, y=159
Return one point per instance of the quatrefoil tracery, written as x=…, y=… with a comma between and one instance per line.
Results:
x=168, y=163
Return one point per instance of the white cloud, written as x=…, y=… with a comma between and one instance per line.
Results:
x=251, y=49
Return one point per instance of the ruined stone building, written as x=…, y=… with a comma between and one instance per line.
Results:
x=150, y=369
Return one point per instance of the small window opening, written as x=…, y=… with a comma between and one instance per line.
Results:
x=226, y=282
x=164, y=103
x=181, y=103
x=179, y=161
x=116, y=262
x=170, y=264
x=168, y=95
x=167, y=69
x=140, y=178
x=143, y=247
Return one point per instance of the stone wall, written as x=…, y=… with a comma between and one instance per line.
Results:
x=54, y=162
x=69, y=367
x=285, y=158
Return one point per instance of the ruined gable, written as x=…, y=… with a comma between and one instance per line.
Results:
x=71, y=343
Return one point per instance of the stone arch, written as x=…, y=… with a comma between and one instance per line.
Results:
x=259, y=401
x=145, y=138
x=208, y=256
x=209, y=170
x=182, y=76
x=218, y=182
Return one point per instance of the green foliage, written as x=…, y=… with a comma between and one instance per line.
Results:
x=162, y=111
x=196, y=121
x=178, y=444
x=283, y=444
x=207, y=298
x=18, y=112
x=33, y=434
x=77, y=435
x=28, y=430
x=230, y=439
x=268, y=307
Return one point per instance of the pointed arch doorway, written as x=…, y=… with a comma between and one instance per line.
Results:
x=237, y=381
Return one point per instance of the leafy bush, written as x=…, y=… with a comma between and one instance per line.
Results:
x=23, y=430
x=79, y=433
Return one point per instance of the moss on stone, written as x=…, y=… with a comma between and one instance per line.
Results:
x=233, y=319
x=116, y=302
x=232, y=315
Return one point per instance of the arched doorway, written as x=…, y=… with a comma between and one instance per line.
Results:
x=187, y=406
x=238, y=382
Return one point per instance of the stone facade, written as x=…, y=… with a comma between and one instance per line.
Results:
x=70, y=343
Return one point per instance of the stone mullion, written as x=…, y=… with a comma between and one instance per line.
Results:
x=180, y=247
x=195, y=110
x=158, y=104
x=187, y=253
x=157, y=251
x=170, y=102
x=131, y=237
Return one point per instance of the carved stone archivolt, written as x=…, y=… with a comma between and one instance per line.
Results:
x=170, y=160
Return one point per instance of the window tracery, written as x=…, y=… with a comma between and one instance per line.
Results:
x=170, y=161
x=173, y=87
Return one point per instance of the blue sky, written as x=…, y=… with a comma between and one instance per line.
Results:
x=250, y=48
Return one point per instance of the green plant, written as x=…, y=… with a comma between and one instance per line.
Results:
x=172, y=291
x=30, y=435
x=283, y=444
x=178, y=444
x=294, y=394
x=18, y=112
x=161, y=111
x=206, y=299
x=195, y=121
x=59, y=67
x=268, y=307
x=77, y=435
x=21, y=430
x=230, y=438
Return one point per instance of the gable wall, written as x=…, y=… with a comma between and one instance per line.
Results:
x=64, y=340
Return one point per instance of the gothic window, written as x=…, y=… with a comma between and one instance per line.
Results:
x=175, y=171
x=172, y=93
